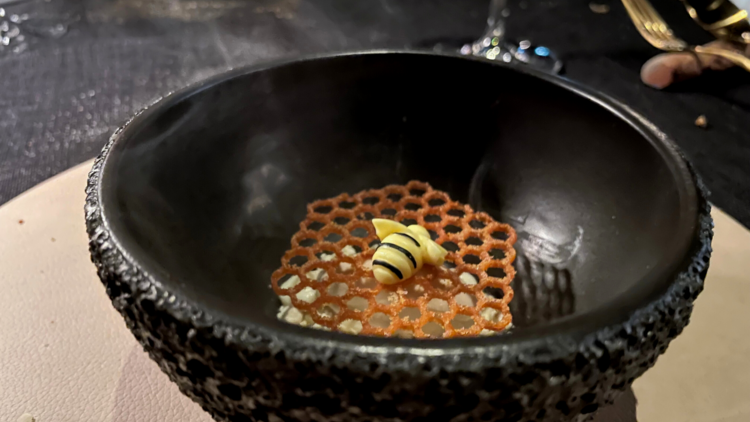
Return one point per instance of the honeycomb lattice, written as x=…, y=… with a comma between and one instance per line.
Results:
x=327, y=272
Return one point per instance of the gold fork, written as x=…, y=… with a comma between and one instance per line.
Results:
x=655, y=30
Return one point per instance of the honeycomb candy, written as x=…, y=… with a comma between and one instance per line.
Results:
x=325, y=280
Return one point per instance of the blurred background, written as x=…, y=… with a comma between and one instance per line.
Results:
x=71, y=71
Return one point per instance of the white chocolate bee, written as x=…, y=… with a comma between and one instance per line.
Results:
x=402, y=251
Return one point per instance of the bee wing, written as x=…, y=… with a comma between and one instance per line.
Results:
x=435, y=254
x=419, y=231
x=384, y=227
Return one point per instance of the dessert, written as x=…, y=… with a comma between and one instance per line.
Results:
x=326, y=279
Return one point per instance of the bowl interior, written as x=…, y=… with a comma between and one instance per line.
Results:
x=206, y=188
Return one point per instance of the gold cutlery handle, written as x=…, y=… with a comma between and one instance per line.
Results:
x=733, y=56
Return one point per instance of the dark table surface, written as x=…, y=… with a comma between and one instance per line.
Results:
x=78, y=68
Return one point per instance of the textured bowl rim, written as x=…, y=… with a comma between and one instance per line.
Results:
x=550, y=341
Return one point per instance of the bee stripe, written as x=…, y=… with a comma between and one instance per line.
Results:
x=400, y=249
x=412, y=239
x=393, y=269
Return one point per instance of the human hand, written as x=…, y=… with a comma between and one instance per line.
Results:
x=668, y=68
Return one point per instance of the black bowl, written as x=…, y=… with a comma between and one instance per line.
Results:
x=191, y=205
